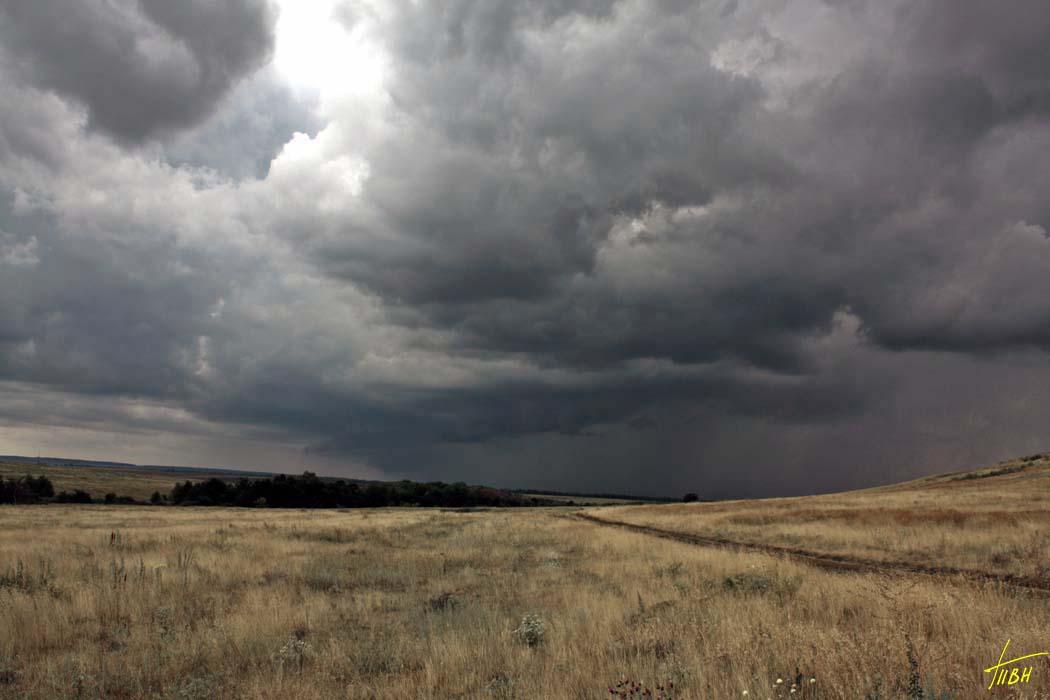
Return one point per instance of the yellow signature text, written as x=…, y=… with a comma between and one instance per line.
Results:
x=1004, y=674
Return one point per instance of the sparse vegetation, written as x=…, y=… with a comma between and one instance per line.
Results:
x=997, y=522
x=172, y=603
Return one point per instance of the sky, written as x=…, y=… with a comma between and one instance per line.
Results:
x=737, y=247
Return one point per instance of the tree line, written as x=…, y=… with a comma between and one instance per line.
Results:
x=310, y=491
x=282, y=491
x=37, y=489
x=306, y=491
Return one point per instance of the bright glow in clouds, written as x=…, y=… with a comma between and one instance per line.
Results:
x=316, y=51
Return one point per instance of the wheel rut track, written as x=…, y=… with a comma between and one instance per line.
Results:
x=834, y=562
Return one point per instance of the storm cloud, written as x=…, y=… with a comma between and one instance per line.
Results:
x=140, y=67
x=738, y=247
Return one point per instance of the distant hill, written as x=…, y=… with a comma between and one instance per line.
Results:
x=66, y=462
x=140, y=481
x=592, y=497
x=63, y=462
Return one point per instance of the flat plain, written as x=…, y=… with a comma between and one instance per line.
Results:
x=193, y=603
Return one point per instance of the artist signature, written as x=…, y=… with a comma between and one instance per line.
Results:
x=1004, y=673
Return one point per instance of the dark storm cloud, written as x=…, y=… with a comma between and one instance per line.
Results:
x=518, y=169
x=567, y=243
x=588, y=189
x=140, y=67
x=514, y=160
x=119, y=316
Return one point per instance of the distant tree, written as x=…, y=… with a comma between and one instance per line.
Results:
x=110, y=498
x=156, y=498
x=690, y=498
x=26, y=489
x=39, y=486
x=14, y=491
x=78, y=496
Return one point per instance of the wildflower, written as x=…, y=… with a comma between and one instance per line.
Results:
x=780, y=681
x=812, y=681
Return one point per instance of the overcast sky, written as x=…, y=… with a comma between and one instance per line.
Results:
x=735, y=247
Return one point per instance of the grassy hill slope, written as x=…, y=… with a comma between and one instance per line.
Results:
x=995, y=519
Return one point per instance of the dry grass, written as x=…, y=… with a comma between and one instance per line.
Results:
x=98, y=481
x=995, y=520
x=135, y=602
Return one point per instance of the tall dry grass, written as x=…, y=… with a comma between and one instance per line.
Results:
x=996, y=520
x=134, y=602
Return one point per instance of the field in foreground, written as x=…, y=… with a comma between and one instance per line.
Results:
x=137, y=602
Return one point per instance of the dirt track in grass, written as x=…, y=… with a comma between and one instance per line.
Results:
x=834, y=562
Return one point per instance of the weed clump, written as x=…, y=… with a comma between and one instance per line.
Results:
x=444, y=602
x=23, y=578
x=200, y=688
x=501, y=687
x=294, y=652
x=627, y=689
x=8, y=671
x=800, y=688
x=761, y=583
x=532, y=630
x=322, y=577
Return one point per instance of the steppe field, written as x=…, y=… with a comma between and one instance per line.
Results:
x=908, y=591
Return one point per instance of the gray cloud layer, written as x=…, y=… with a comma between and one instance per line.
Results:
x=139, y=66
x=643, y=246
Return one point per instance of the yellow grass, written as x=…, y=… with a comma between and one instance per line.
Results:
x=98, y=481
x=995, y=520
x=140, y=602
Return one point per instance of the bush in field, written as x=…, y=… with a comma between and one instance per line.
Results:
x=294, y=652
x=201, y=688
x=444, y=601
x=77, y=496
x=531, y=631
x=762, y=583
